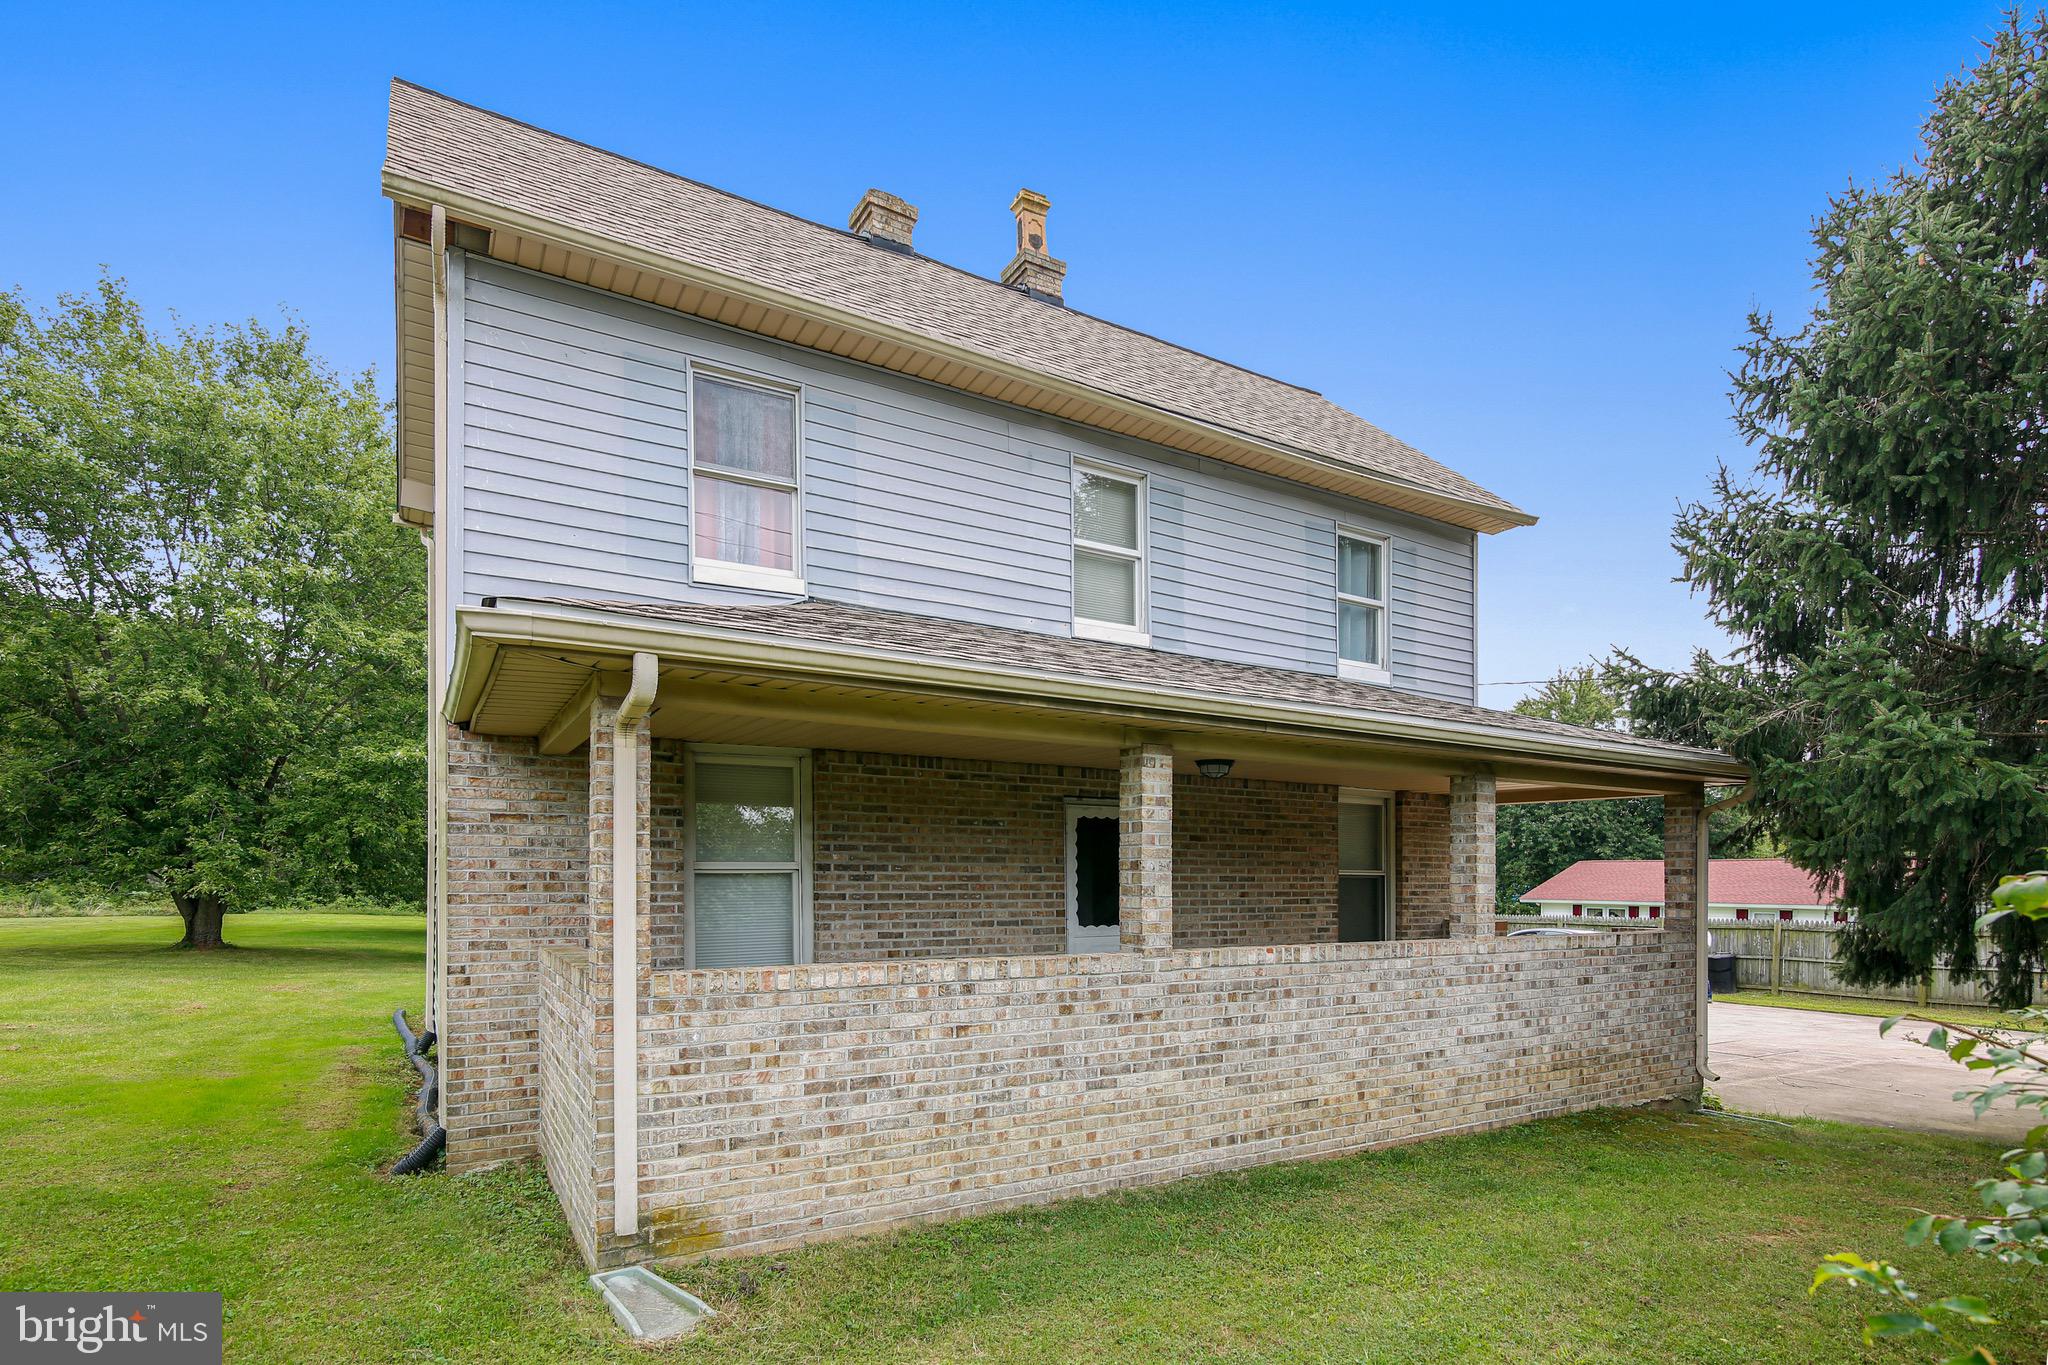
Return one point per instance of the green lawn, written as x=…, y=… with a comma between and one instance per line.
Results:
x=174, y=1121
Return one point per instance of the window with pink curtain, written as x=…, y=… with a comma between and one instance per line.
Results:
x=744, y=490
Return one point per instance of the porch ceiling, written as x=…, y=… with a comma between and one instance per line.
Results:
x=527, y=687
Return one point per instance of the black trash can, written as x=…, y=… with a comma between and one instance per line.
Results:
x=1720, y=973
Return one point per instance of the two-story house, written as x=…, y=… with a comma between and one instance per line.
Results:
x=906, y=746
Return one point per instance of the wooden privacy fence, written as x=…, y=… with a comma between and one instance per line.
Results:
x=1777, y=956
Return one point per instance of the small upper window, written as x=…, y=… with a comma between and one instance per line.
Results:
x=1362, y=606
x=1109, y=555
x=744, y=484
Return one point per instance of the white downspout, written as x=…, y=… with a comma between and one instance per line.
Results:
x=626, y=818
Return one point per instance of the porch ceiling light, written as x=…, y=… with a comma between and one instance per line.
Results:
x=1214, y=767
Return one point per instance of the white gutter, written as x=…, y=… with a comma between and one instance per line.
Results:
x=437, y=652
x=626, y=818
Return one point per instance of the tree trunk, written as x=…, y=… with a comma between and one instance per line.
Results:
x=202, y=914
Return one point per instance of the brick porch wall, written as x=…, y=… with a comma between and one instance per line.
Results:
x=918, y=857
x=940, y=857
x=1422, y=863
x=1254, y=863
x=666, y=883
x=946, y=1088
x=568, y=1075
x=517, y=846
x=913, y=857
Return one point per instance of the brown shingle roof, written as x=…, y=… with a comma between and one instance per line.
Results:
x=898, y=632
x=443, y=142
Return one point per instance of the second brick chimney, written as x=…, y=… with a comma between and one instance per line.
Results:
x=1033, y=269
x=884, y=219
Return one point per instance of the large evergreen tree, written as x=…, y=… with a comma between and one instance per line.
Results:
x=1886, y=573
x=211, y=635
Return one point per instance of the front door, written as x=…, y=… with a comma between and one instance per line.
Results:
x=1092, y=875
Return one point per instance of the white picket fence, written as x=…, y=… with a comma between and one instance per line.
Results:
x=1777, y=956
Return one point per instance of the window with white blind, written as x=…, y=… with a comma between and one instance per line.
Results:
x=745, y=484
x=1362, y=569
x=1365, y=901
x=1109, y=554
x=749, y=874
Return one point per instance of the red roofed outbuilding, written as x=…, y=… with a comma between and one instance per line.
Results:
x=1760, y=889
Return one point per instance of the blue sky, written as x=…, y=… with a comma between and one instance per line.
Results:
x=1523, y=241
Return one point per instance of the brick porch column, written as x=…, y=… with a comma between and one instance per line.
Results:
x=1145, y=844
x=600, y=900
x=1685, y=901
x=1471, y=854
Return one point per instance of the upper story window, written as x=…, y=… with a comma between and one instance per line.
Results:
x=1109, y=555
x=1362, y=562
x=745, y=487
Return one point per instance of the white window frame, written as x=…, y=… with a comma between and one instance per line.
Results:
x=1087, y=628
x=798, y=760
x=723, y=572
x=1354, y=669
x=1369, y=796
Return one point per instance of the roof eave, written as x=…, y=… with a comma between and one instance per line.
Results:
x=590, y=629
x=1472, y=514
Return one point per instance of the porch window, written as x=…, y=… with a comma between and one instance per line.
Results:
x=1109, y=554
x=1362, y=564
x=1365, y=911
x=744, y=484
x=749, y=892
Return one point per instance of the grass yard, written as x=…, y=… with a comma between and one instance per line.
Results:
x=174, y=1121
x=1970, y=1016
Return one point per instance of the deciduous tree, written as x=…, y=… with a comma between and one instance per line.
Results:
x=211, y=646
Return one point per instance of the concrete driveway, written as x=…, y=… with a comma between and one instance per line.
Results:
x=1834, y=1066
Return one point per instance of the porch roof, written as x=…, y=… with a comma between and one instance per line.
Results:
x=859, y=650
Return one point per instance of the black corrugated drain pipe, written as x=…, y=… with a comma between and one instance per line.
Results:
x=436, y=1137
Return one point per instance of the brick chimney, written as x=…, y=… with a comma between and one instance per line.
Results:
x=1033, y=270
x=884, y=220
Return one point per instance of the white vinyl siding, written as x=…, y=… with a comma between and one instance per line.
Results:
x=1109, y=554
x=573, y=474
x=749, y=877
